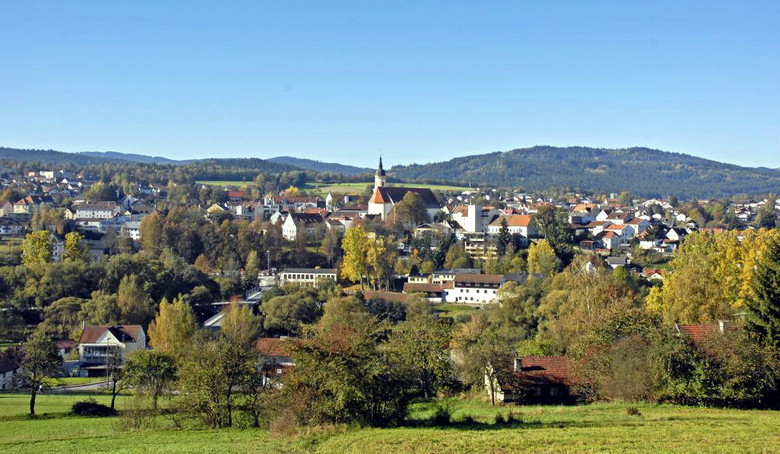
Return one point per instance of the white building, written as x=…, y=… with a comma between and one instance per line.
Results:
x=100, y=343
x=307, y=276
x=476, y=289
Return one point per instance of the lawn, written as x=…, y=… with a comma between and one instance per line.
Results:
x=587, y=428
x=453, y=310
x=74, y=381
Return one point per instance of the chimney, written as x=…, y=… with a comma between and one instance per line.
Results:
x=518, y=364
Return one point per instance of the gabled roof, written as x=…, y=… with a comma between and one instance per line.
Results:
x=306, y=218
x=272, y=346
x=513, y=220
x=123, y=333
x=479, y=278
x=389, y=194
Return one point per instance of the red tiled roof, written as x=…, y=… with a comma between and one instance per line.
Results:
x=272, y=346
x=513, y=220
x=698, y=332
x=386, y=296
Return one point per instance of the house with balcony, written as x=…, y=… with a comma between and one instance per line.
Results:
x=101, y=344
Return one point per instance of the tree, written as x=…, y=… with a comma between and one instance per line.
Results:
x=482, y=354
x=343, y=375
x=75, y=246
x=331, y=245
x=504, y=238
x=355, y=246
x=37, y=248
x=763, y=321
x=411, y=210
x=133, y=303
x=115, y=373
x=251, y=269
x=151, y=372
x=63, y=317
x=41, y=360
x=553, y=225
x=174, y=327
x=151, y=233
x=284, y=314
x=421, y=349
x=240, y=325
x=542, y=258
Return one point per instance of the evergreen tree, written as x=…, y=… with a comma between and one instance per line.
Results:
x=764, y=307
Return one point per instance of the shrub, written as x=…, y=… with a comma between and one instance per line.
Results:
x=90, y=407
x=514, y=417
x=500, y=418
x=633, y=411
x=442, y=416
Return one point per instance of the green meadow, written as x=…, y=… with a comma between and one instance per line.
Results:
x=341, y=188
x=586, y=428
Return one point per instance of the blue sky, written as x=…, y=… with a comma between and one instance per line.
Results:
x=417, y=81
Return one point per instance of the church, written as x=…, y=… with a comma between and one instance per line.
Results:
x=385, y=197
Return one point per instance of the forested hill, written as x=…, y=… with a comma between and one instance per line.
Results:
x=319, y=166
x=642, y=171
x=115, y=155
x=52, y=157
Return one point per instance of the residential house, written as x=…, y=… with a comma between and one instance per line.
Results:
x=535, y=379
x=431, y=291
x=274, y=360
x=10, y=370
x=97, y=210
x=296, y=221
x=520, y=224
x=476, y=289
x=100, y=343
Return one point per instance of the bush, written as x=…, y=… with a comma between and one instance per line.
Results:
x=513, y=417
x=500, y=418
x=633, y=411
x=442, y=416
x=90, y=407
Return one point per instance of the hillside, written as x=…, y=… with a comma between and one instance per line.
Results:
x=54, y=157
x=319, y=166
x=51, y=156
x=642, y=171
x=130, y=157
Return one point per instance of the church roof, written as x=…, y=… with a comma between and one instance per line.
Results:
x=393, y=195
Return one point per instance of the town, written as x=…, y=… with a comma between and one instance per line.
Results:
x=100, y=267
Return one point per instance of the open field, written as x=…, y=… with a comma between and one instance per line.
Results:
x=340, y=188
x=239, y=184
x=453, y=310
x=587, y=428
x=359, y=188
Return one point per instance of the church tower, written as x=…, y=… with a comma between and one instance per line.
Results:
x=380, y=178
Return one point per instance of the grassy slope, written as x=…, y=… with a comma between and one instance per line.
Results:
x=591, y=428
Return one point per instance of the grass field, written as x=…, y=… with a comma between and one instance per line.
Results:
x=359, y=188
x=453, y=310
x=587, y=428
x=340, y=188
x=238, y=184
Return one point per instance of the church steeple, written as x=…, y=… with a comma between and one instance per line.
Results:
x=380, y=178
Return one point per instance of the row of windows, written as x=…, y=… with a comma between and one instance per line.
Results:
x=476, y=291
x=308, y=276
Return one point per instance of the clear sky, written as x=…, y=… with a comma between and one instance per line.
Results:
x=418, y=81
